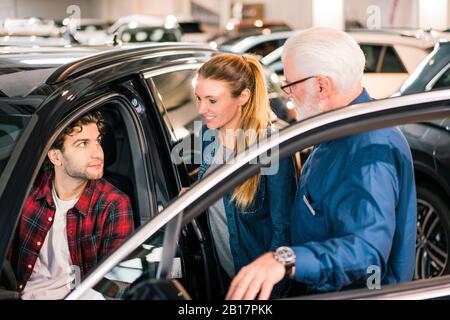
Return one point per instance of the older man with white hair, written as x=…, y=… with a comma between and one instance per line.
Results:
x=355, y=207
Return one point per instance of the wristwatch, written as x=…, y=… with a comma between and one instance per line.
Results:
x=286, y=256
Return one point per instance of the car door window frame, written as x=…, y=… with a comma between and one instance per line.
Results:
x=145, y=202
x=148, y=76
x=168, y=126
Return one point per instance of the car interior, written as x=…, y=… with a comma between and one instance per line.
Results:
x=116, y=147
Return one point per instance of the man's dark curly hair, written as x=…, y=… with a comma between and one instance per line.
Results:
x=92, y=117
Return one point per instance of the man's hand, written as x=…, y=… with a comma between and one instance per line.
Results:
x=183, y=190
x=257, y=277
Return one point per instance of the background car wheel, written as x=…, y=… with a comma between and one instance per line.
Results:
x=433, y=231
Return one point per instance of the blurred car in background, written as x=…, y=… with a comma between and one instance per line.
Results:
x=31, y=32
x=192, y=31
x=257, y=26
x=390, y=58
x=246, y=28
x=91, y=31
x=145, y=29
x=257, y=44
x=133, y=21
x=432, y=73
x=33, y=41
x=429, y=146
x=31, y=26
x=147, y=34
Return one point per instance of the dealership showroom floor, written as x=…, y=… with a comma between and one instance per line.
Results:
x=334, y=182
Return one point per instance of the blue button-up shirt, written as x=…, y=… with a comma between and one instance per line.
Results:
x=355, y=207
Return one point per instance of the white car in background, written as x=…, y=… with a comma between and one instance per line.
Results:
x=31, y=32
x=391, y=55
x=30, y=26
x=194, y=30
x=129, y=29
x=259, y=44
x=92, y=32
x=390, y=59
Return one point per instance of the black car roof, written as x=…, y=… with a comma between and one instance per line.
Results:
x=23, y=58
x=33, y=71
x=436, y=62
x=121, y=55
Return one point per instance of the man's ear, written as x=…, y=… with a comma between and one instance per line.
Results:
x=325, y=87
x=55, y=157
x=244, y=97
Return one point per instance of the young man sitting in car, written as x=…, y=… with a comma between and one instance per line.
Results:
x=72, y=219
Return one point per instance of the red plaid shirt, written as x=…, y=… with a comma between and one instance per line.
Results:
x=98, y=223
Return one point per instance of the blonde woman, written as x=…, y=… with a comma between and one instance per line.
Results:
x=255, y=217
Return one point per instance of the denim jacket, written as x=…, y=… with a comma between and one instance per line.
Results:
x=265, y=224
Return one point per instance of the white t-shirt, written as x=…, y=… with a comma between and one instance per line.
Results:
x=53, y=272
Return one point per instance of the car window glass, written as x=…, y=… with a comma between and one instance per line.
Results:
x=372, y=53
x=176, y=90
x=391, y=62
x=141, y=36
x=444, y=81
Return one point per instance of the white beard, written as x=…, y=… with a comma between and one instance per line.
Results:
x=310, y=107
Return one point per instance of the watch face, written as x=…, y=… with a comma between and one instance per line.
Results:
x=285, y=255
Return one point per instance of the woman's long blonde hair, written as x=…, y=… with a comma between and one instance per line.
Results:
x=240, y=73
